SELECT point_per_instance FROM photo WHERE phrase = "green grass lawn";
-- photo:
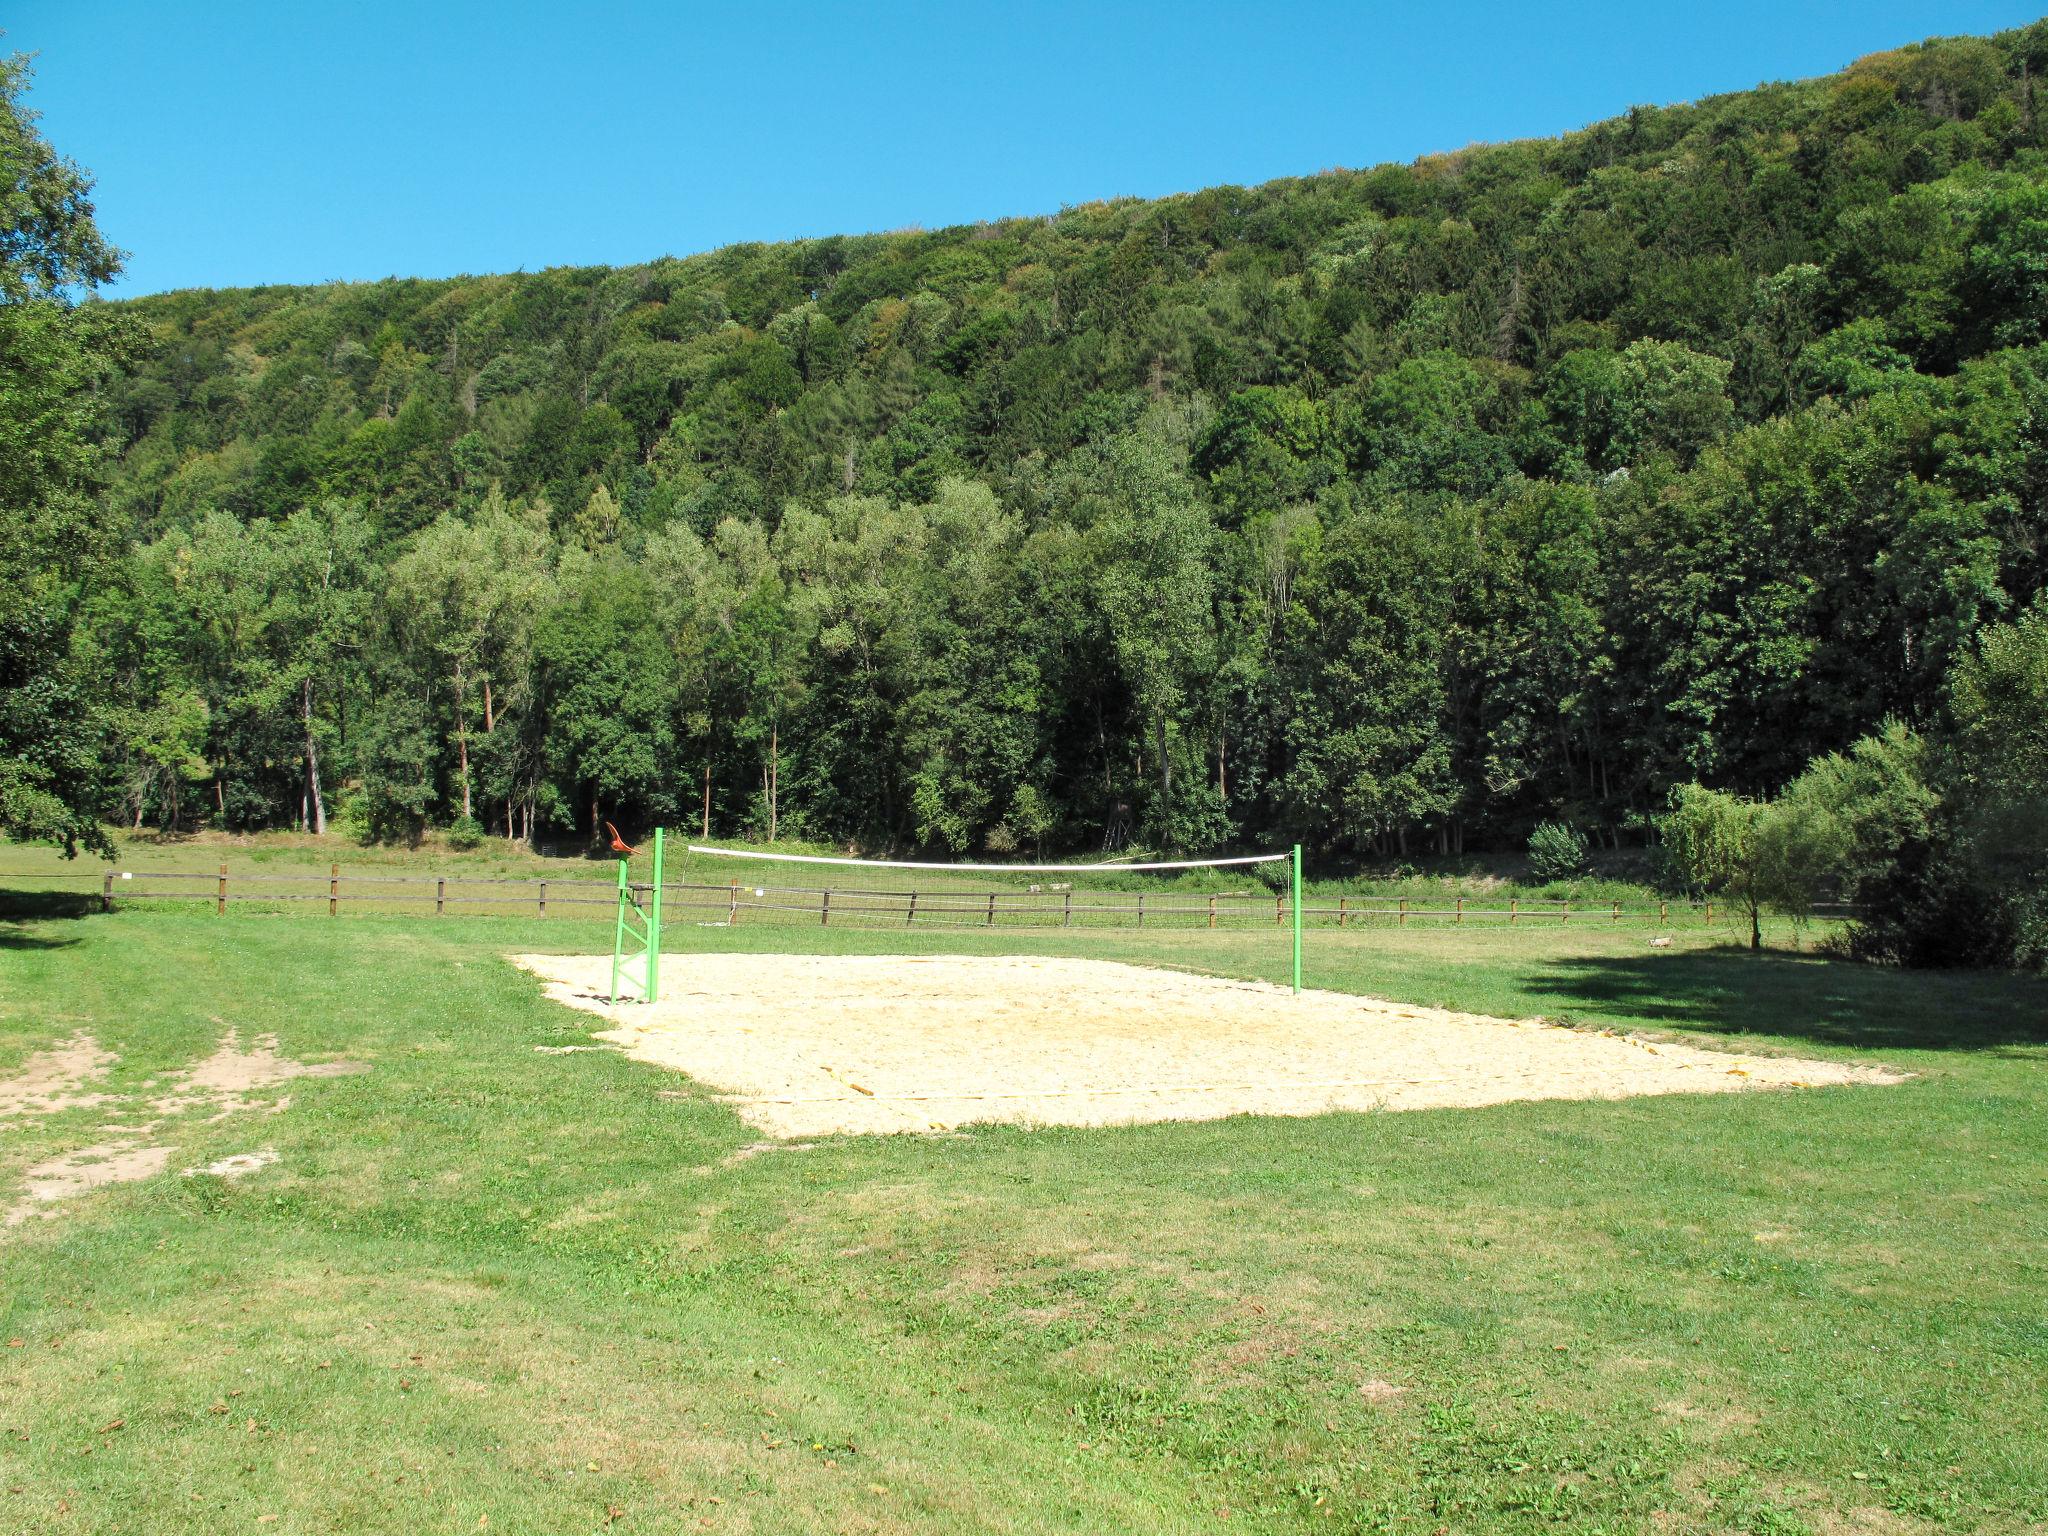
(491, 1288)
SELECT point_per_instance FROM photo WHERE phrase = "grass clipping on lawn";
(810, 1045)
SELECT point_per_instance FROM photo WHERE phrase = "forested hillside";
(1394, 510)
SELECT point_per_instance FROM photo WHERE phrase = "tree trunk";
(312, 761)
(462, 739)
(707, 799)
(1165, 767)
(490, 718)
(774, 776)
(1756, 930)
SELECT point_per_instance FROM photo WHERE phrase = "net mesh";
(736, 887)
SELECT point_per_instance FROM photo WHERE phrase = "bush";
(465, 833)
(349, 814)
(1557, 851)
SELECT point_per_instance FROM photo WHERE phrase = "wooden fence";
(735, 902)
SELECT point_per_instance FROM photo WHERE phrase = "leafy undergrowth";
(486, 1287)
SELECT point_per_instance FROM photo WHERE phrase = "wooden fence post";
(1402, 921)
(824, 909)
(1663, 913)
(107, 893)
(1343, 906)
(1710, 914)
(333, 889)
(1514, 909)
(910, 913)
(543, 898)
(991, 909)
(1567, 913)
(1212, 911)
(1279, 909)
(1617, 911)
(440, 894)
(220, 901)
(1141, 909)
(1067, 909)
(1461, 909)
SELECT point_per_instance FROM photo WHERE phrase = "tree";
(1266, 449)
(466, 592)
(1364, 645)
(1154, 592)
(320, 583)
(1763, 855)
(55, 539)
(1998, 759)
(168, 740)
(603, 678)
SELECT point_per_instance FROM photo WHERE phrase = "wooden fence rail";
(960, 906)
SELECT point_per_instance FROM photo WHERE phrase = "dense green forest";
(1396, 510)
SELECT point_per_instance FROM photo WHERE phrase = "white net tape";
(995, 869)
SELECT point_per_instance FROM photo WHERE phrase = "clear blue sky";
(245, 141)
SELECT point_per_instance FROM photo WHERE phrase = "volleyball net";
(737, 887)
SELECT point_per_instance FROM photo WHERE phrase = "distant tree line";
(1397, 511)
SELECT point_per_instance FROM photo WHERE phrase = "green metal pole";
(619, 929)
(1297, 919)
(654, 924)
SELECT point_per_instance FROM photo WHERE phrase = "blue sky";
(265, 142)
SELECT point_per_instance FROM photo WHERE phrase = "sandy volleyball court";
(808, 1045)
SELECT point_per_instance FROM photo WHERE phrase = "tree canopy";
(1394, 509)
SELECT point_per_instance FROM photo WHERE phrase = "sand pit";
(810, 1045)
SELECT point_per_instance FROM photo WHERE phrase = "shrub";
(465, 833)
(1557, 851)
(349, 814)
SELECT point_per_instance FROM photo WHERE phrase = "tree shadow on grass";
(19, 909)
(1732, 992)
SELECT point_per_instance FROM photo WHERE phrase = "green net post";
(643, 927)
(1297, 919)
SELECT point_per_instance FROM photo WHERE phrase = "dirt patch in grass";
(52, 1080)
(237, 1166)
(88, 1168)
(809, 1045)
(223, 1080)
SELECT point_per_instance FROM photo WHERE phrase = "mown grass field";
(487, 1287)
